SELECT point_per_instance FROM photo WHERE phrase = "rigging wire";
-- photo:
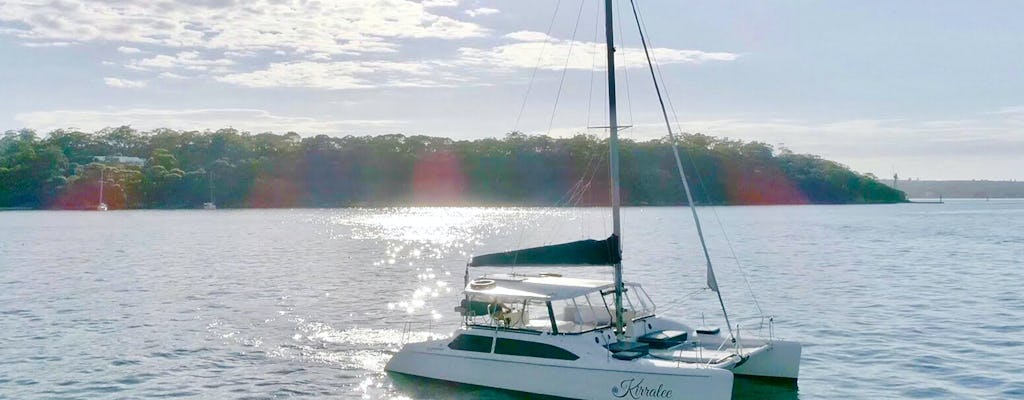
(573, 196)
(711, 281)
(625, 63)
(565, 68)
(593, 66)
(529, 89)
(561, 82)
(540, 57)
(700, 180)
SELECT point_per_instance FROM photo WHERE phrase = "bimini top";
(539, 287)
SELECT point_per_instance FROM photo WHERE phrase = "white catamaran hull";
(780, 359)
(604, 379)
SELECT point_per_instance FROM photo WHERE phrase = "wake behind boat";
(592, 339)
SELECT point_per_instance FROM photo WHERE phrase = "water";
(890, 301)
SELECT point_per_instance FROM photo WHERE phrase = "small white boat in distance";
(555, 336)
(210, 205)
(102, 206)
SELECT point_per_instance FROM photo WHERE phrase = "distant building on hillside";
(133, 161)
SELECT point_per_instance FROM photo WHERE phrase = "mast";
(613, 149)
(211, 186)
(101, 185)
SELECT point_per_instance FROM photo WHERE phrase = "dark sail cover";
(583, 252)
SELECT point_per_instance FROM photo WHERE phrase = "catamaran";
(585, 338)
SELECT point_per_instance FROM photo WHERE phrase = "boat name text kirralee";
(633, 389)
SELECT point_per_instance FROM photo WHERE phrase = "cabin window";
(476, 343)
(525, 348)
(489, 312)
(639, 301)
(511, 347)
(585, 315)
(539, 318)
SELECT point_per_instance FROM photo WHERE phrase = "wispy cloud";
(440, 3)
(469, 66)
(47, 44)
(476, 12)
(171, 75)
(528, 36)
(353, 44)
(529, 49)
(348, 27)
(864, 137)
(188, 60)
(345, 75)
(253, 120)
(124, 83)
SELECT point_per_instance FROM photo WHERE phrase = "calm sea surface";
(890, 301)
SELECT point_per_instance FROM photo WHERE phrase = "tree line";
(59, 170)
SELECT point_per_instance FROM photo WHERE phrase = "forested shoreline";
(59, 171)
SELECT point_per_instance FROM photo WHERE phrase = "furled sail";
(712, 282)
(582, 252)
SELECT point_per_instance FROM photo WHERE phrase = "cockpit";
(550, 304)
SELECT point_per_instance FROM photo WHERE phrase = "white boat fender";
(482, 284)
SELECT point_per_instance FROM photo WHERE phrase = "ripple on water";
(1014, 390)
(244, 310)
(929, 364)
(930, 392)
(976, 381)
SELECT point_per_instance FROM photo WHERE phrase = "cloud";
(1012, 111)
(253, 120)
(469, 66)
(440, 3)
(171, 75)
(47, 44)
(346, 75)
(124, 83)
(240, 54)
(536, 49)
(528, 36)
(328, 45)
(481, 11)
(876, 137)
(334, 27)
(188, 60)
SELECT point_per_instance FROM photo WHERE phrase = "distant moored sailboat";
(210, 205)
(102, 206)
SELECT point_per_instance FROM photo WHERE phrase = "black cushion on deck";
(628, 355)
(708, 331)
(663, 339)
(628, 346)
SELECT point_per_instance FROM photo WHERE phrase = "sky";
(925, 89)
